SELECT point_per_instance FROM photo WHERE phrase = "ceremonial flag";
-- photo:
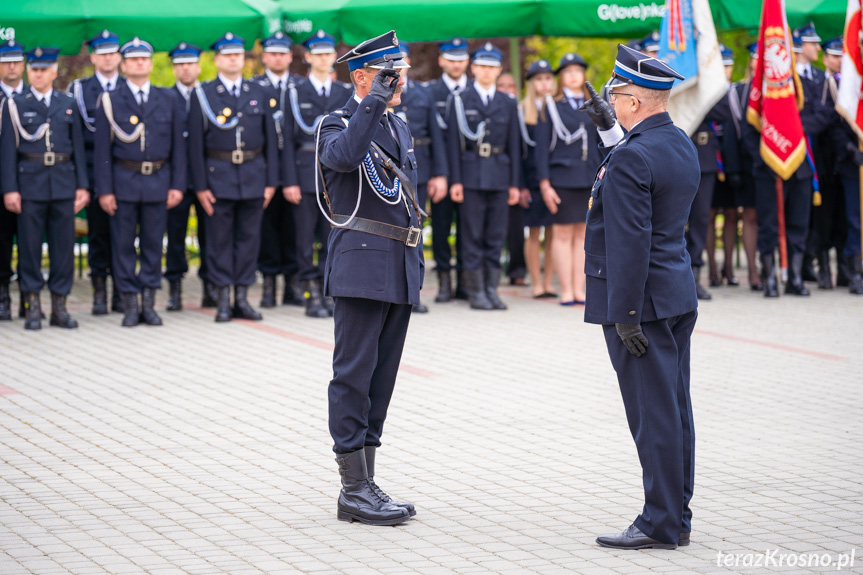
(848, 102)
(776, 95)
(688, 44)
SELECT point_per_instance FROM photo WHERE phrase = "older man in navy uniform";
(311, 100)
(640, 286)
(105, 57)
(43, 178)
(374, 270)
(140, 168)
(418, 111)
(234, 156)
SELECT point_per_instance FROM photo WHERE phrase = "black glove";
(632, 337)
(854, 154)
(599, 110)
(385, 83)
(734, 180)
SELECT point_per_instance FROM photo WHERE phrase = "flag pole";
(780, 218)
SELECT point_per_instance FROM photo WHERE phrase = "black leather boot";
(461, 289)
(844, 271)
(22, 313)
(444, 292)
(700, 292)
(242, 308)
(370, 469)
(825, 277)
(175, 295)
(293, 294)
(807, 267)
(268, 295)
(358, 501)
(223, 304)
(314, 301)
(116, 300)
(795, 277)
(475, 287)
(148, 300)
(771, 285)
(100, 296)
(855, 283)
(209, 294)
(131, 313)
(491, 278)
(59, 315)
(5, 303)
(32, 311)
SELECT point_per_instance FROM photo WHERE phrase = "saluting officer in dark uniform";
(140, 168)
(453, 59)
(278, 235)
(311, 100)
(641, 290)
(234, 157)
(11, 82)
(483, 151)
(374, 270)
(187, 67)
(43, 177)
(105, 57)
(418, 111)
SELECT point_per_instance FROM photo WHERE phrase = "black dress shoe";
(684, 540)
(419, 308)
(632, 538)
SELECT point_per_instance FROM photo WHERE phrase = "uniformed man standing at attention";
(310, 101)
(374, 271)
(234, 155)
(278, 237)
(43, 178)
(640, 286)
(187, 67)
(483, 151)
(105, 57)
(139, 162)
(11, 82)
(418, 111)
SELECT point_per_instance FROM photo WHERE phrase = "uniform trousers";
(55, 220)
(176, 264)
(699, 216)
(369, 339)
(98, 240)
(145, 221)
(278, 238)
(798, 199)
(233, 241)
(310, 224)
(442, 214)
(517, 267)
(829, 222)
(655, 390)
(483, 224)
(852, 215)
(8, 226)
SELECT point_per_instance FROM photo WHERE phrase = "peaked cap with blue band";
(228, 44)
(753, 50)
(488, 55)
(320, 43)
(455, 49)
(571, 59)
(650, 43)
(277, 43)
(634, 67)
(805, 33)
(833, 46)
(42, 57)
(136, 48)
(538, 67)
(11, 51)
(105, 42)
(185, 53)
(727, 55)
(375, 53)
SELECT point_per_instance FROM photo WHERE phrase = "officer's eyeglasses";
(613, 96)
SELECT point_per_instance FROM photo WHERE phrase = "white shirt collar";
(9, 90)
(275, 79)
(570, 94)
(184, 90)
(487, 95)
(104, 80)
(46, 96)
(317, 84)
(231, 85)
(451, 84)
(803, 68)
(135, 88)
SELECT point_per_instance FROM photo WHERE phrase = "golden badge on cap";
(133, 120)
(220, 119)
(272, 102)
(226, 112)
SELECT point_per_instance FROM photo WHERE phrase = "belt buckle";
(237, 157)
(485, 150)
(146, 168)
(49, 159)
(414, 235)
(701, 138)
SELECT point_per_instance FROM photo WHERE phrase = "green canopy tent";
(66, 23)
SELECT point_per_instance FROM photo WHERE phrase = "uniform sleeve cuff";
(611, 137)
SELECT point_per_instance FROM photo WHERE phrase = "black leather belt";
(46, 159)
(487, 150)
(235, 156)
(408, 236)
(145, 168)
(417, 142)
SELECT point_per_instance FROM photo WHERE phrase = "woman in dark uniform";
(567, 157)
(540, 83)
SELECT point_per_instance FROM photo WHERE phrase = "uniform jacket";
(34, 180)
(567, 166)
(529, 177)
(256, 130)
(498, 171)
(359, 264)
(184, 106)
(705, 140)
(91, 91)
(285, 137)
(163, 118)
(636, 261)
(735, 155)
(311, 105)
(417, 109)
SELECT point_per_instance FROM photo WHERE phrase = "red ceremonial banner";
(776, 96)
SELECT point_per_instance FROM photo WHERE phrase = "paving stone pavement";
(197, 448)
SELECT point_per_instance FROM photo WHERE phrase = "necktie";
(45, 101)
(323, 93)
(575, 103)
(142, 98)
(279, 85)
(108, 87)
(386, 122)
